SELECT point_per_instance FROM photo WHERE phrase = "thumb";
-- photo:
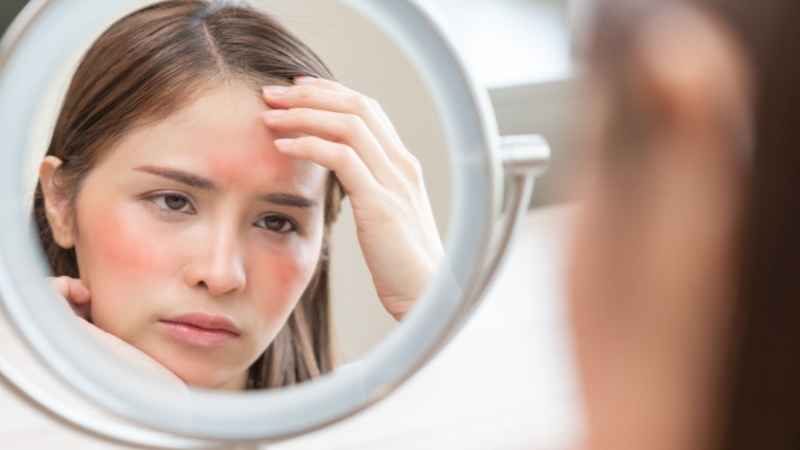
(78, 292)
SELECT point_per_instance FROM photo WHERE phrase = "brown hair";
(761, 382)
(147, 66)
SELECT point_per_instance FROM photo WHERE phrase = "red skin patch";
(123, 239)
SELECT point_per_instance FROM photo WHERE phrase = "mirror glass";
(182, 237)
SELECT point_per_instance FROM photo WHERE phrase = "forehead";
(220, 135)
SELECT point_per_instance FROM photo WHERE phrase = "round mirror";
(192, 259)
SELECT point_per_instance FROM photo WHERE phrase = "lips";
(206, 322)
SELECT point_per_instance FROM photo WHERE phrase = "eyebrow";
(196, 181)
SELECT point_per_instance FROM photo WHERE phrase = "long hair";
(147, 66)
(761, 378)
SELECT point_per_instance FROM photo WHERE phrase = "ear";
(56, 203)
(698, 91)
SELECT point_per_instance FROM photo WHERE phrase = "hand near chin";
(76, 293)
(79, 298)
(350, 134)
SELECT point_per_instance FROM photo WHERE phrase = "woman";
(683, 289)
(185, 202)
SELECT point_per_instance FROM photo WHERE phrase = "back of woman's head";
(759, 380)
(764, 368)
(147, 66)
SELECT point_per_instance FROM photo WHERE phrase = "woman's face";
(200, 214)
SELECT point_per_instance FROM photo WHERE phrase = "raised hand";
(351, 135)
(75, 292)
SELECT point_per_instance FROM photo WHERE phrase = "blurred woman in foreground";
(683, 293)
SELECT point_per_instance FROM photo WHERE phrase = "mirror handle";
(524, 157)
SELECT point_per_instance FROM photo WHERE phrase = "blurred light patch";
(509, 42)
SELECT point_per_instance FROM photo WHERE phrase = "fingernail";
(275, 91)
(304, 80)
(284, 145)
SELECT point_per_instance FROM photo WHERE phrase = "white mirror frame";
(44, 36)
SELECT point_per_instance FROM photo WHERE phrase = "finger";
(330, 95)
(71, 289)
(342, 100)
(78, 292)
(337, 127)
(75, 293)
(356, 178)
(385, 124)
(60, 285)
(82, 310)
(321, 82)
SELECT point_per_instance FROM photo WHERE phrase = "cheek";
(121, 258)
(289, 271)
(282, 276)
(121, 242)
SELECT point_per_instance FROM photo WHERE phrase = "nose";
(219, 265)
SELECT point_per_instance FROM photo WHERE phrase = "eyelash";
(284, 220)
(166, 209)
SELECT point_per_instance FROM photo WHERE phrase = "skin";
(651, 263)
(215, 251)
(226, 251)
(350, 134)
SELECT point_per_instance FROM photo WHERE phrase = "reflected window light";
(510, 42)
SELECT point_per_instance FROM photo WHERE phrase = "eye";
(278, 224)
(173, 202)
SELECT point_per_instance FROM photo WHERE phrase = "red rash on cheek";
(288, 277)
(124, 242)
(287, 274)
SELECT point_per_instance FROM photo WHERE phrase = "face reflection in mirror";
(187, 212)
(198, 215)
